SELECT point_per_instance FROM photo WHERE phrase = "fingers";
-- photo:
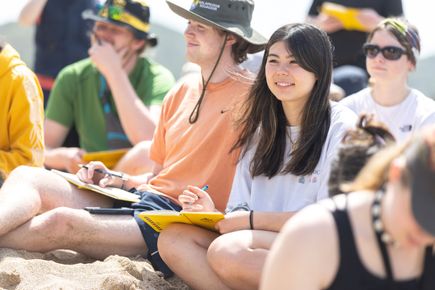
(94, 166)
(92, 172)
(107, 180)
(188, 196)
(187, 199)
(197, 191)
(82, 174)
(105, 58)
(75, 158)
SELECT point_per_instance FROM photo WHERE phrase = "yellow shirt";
(21, 114)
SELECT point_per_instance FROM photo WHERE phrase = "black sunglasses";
(388, 52)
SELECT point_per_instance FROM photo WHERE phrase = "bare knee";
(170, 240)
(26, 174)
(179, 241)
(59, 225)
(226, 257)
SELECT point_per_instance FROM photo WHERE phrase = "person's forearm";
(55, 158)
(31, 11)
(137, 180)
(270, 221)
(135, 117)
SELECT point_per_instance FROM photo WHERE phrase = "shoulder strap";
(427, 281)
(383, 248)
(349, 258)
(385, 259)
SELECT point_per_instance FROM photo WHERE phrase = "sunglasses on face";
(388, 52)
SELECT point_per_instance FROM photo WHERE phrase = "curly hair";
(357, 147)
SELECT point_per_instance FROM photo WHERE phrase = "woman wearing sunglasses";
(391, 51)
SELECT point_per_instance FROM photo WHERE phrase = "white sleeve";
(336, 133)
(240, 196)
(350, 102)
(429, 120)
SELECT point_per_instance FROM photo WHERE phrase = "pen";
(205, 187)
(102, 171)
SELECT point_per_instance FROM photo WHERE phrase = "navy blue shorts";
(151, 201)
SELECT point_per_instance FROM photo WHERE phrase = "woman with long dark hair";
(290, 132)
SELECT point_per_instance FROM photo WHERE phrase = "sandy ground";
(64, 269)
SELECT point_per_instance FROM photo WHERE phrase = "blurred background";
(268, 15)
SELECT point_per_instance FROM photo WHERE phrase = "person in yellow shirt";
(21, 114)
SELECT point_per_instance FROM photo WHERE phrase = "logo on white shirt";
(312, 178)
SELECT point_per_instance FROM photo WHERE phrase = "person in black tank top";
(380, 236)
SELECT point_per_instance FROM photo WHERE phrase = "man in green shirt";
(113, 98)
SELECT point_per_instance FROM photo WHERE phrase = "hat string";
(195, 112)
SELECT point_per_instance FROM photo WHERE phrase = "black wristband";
(124, 179)
(251, 219)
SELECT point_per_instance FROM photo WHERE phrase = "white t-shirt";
(287, 192)
(414, 112)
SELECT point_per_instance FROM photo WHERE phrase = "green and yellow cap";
(133, 14)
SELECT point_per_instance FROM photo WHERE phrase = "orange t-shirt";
(198, 154)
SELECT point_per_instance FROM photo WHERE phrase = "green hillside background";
(171, 53)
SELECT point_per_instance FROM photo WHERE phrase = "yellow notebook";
(109, 157)
(112, 192)
(347, 16)
(160, 219)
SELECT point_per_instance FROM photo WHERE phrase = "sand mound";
(63, 269)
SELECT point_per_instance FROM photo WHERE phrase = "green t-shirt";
(75, 98)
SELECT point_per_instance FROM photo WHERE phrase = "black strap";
(427, 281)
(385, 259)
(382, 247)
(195, 112)
(348, 252)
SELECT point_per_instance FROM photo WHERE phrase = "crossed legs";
(96, 236)
(41, 211)
(238, 257)
(205, 260)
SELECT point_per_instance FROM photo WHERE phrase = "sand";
(63, 269)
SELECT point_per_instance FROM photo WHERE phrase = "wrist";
(124, 181)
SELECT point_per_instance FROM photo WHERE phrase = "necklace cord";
(195, 112)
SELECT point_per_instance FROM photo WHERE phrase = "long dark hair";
(263, 113)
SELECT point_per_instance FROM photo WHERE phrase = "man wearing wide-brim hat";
(191, 148)
(218, 36)
(114, 97)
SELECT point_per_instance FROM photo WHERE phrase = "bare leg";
(136, 161)
(238, 257)
(29, 191)
(184, 250)
(97, 236)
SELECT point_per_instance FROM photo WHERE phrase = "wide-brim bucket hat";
(228, 15)
(134, 15)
